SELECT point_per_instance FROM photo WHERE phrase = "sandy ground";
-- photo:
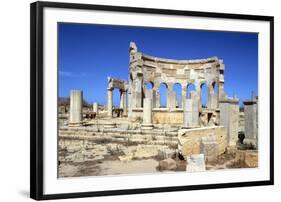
(98, 168)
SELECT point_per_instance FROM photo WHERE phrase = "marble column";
(191, 113)
(123, 102)
(147, 114)
(229, 118)
(187, 114)
(157, 101)
(171, 100)
(251, 122)
(183, 95)
(170, 97)
(76, 105)
(198, 92)
(109, 102)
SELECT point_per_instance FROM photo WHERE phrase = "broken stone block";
(195, 163)
(247, 158)
(165, 153)
(167, 164)
(209, 147)
(126, 158)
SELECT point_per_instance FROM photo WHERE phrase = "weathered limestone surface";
(191, 113)
(189, 140)
(247, 158)
(251, 122)
(163, 116)
(229, 117)
(195, 163)
(171, 102)
(188, 109)
(109, 102)
(147, 114)
(76, 103)
(209, 147)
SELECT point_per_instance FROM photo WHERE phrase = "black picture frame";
(36, 98)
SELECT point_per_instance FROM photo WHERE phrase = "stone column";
(221, 90)
(187, 114)
(251, 122)
(121, 99)
(191, 113)
(171, 100)
(148, 93)
(198, 92)
(76, 105)
(123, 102)
(147, 114)
(210, 91)
(195, 112)
(229, 118)
(153, 98)
(183, 95)
(95, 107)
(109, 102)
(170, 97)
(157, 101)
(138, 93)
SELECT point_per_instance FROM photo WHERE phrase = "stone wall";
(167, 117)
(161, 115)
(190, 139)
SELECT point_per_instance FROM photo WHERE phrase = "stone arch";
(177, 89)
(149, 85)
(204, 94)
(116, 97)
(118, 87)
(163, 90)
(190, 88)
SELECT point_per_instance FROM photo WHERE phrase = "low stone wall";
(162, 115)
(122, 136)
(190, 139)
(173, 116)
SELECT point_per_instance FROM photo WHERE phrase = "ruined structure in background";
(122, 86)
(220, 110)
(203, 136)
(144, 69)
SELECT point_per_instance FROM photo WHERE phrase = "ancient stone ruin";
(160, 137)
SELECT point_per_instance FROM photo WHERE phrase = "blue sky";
(89, 53)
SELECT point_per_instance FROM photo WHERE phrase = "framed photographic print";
(136, 100)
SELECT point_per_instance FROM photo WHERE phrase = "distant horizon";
(89, 53)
